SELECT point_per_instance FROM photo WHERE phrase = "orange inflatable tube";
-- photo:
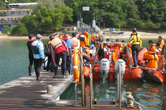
(76, 67)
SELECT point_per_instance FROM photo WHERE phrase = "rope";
(148, 107)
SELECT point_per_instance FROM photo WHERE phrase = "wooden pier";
(26, 93)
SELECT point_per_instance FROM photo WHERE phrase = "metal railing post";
(119, 86)
(82, 81)
(75, 92)
(91, 87)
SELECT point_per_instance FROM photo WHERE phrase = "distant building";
(19, 5)
(15, 14)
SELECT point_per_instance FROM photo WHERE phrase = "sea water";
(14, 64)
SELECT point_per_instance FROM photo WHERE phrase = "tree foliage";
(144, 14)
(6, 29)
(20, 29)
(45, 20)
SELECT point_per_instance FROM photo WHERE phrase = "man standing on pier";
(38, 54)
(136, 42)
(29, 45)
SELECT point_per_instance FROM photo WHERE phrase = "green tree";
(6, 29)
(20, 29)
(30, 23)
(3, 5)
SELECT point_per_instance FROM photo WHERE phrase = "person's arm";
(140, 42)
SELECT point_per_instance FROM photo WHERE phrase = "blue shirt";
(69, 43)
(38, 52)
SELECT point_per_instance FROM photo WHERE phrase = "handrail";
(119, 86)
(91, 87)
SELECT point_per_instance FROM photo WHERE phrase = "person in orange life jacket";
(163, 52)
(84, 39)
(61, 35)
(69, 57)
(61, 51)
(151, 57)
(93, 39)
(50, 65)
(86, 53)
(152, 46)
(136, 42)
(161, 41)
(117, 46)
(101, 50)
(38, 54)
(29, 45)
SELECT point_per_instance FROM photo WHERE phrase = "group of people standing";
(62, 45)
(61, 48)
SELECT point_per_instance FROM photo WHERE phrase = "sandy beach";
(144, 35)
(125, 35)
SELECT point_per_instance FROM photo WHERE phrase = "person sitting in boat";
(151, 57)
(101, 50)
(109, 45)
(86, 53)
(159, 49)
(127, 58)
(117, 46)
(152, 46)
(124, 50)
(93, 39)
(136, 42)
(161, 41)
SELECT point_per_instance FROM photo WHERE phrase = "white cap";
(39, 36)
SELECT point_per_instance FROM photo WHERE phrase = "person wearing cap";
(136, 42)
(29, 45)
(38, 54)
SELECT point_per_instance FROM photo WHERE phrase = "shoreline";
(126, 35)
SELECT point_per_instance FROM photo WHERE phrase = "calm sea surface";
(14, 64)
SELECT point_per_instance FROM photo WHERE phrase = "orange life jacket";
(152, 48)
(152, 60)
(161, 43)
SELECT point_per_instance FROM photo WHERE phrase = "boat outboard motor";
(120, 70)
(120, 63)
(104, 68)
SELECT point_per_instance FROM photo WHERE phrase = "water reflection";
(148, 94)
